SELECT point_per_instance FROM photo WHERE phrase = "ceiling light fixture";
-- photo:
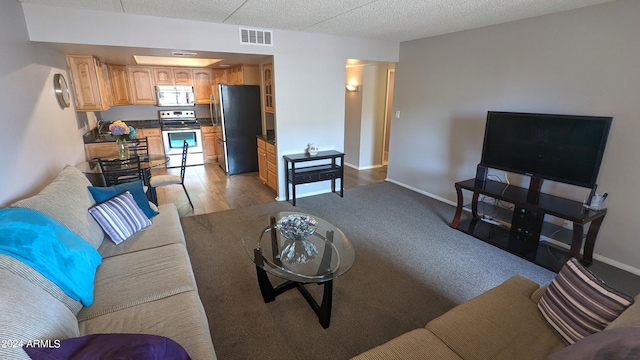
(174, 61)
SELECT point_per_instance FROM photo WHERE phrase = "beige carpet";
(410, 268)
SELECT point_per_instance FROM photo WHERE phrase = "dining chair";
(118, 171)
(138, 146)
(169, 179)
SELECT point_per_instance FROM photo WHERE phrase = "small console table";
(530, 206)
(295, 175)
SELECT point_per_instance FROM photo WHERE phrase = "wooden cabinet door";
(249, 75)
(141, 81)
(209, 147)
(183, 76)
(262, 161)
(88, 92)
(267, 87)
(101, 150)
(272, 177)
(219, 77)
(154, 139)
(162, 76)
(119, 83)
(202, 80)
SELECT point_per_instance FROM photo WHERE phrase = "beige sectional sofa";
(144, 285)
(502, 323)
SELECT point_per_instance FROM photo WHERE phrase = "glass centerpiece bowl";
(296, 228)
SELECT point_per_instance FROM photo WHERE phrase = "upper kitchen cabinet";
(172, 76)
(88, 83)
(119, 85)
(243, 75)
(183, 76)
(142, 85)
(202, 80)
(267, 84)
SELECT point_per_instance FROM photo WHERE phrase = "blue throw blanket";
(50, 248)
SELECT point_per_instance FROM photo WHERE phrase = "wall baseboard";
(598, 257)
(363, 167)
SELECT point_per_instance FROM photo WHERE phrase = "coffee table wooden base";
(269, 292)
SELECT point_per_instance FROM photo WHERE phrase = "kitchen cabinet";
(202, 80)
(101, 150)
(88, 83)
(142, 85)
(267, 87)
(172, 76)
(262, 160)
(272, 172)
(209, 148)
(219, 77)
(184, 76)
(267, 168)
(243, 75)
(154, 139)
(119, 85)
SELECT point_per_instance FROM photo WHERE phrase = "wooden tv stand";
(530, 206)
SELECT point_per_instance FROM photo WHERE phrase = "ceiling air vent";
(256, 37)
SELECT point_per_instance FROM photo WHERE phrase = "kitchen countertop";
(270, 138)
(205, 121)
(94, 135)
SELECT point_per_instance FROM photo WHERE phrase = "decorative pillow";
(102, 194)
(578, 304)
(621, 343)
(109, 346)
(120, 217)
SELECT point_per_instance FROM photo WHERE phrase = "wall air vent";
(256, 37)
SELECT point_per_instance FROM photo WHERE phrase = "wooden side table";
(295, 175)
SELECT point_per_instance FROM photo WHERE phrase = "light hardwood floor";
(212, 190)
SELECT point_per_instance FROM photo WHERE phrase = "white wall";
(583, 61)
(37, 137)
(309, 68)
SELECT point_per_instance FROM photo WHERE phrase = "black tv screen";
(563, 148)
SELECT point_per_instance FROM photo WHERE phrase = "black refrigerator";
(240, 120)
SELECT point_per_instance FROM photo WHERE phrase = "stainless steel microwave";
(168, 95)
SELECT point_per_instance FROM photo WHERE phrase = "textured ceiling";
(395, 20)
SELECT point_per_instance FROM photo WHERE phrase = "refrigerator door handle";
(211, 98)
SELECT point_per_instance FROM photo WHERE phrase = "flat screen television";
(563, 148)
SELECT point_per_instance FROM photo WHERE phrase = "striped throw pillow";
(120, 217)
(578, 304)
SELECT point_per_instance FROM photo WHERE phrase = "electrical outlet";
(568, 225)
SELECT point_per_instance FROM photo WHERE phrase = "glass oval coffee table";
(318, 258)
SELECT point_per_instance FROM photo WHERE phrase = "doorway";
(368, 110)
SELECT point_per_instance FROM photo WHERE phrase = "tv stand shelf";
(530, 206)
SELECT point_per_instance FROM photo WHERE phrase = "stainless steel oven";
(179, 126)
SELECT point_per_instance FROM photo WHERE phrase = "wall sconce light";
(353, 88)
